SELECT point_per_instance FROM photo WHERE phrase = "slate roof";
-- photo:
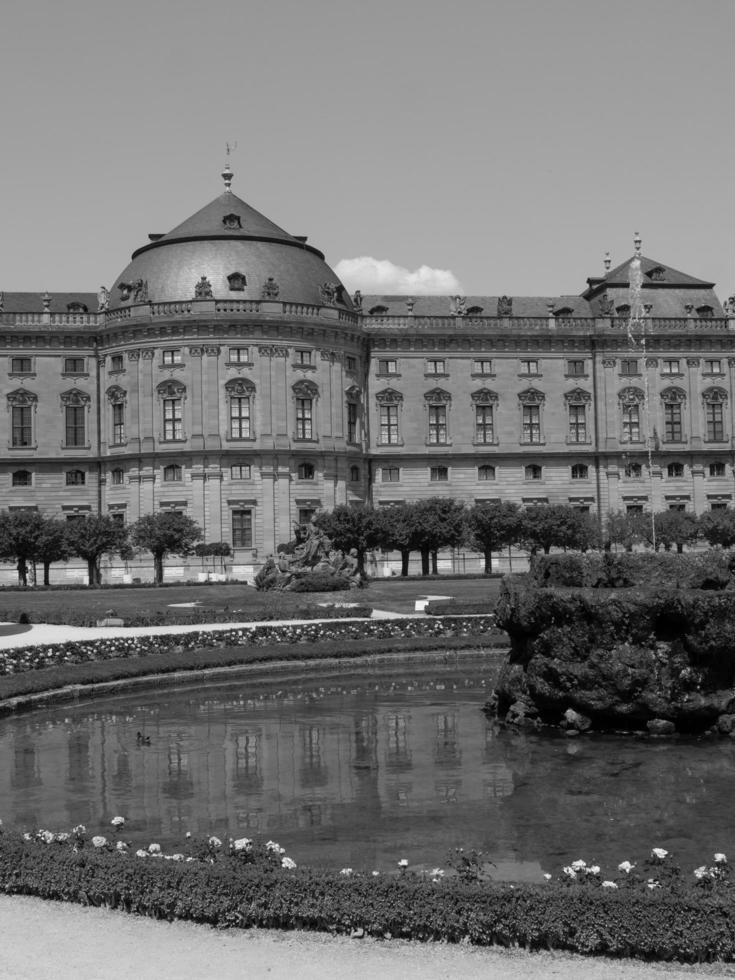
(32, 302)
(528, 306)
(670, 277)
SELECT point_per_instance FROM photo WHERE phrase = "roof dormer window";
(232, 221)
(237, 282)
(378, 310)
(565, 311)
(657, 273)
(704, 312)
(474, 310)
(76, 308)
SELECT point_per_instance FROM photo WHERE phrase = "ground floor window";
(242, 528)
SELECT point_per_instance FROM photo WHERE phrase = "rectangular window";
(172, 356)
(22, 425)
(532, 423)
(303, 357)
(239, 355)
(117, 363)
(242, 529)
(631, 423)
(634, 508)
(21, 365)
(118, 516)
(389, 425)
(482, 367)
(438, 474)
(434, 366)
(75, 478)
(437, 425)
(351, 363)
(713, 366)
(672, 422)
(239, 418)
(715, 422)
(173, 427)
(390, 474)
(484, 428)
(306, 514)
(670, 366)
(575, 369)
(75, 425)
(118, 424)
(117, 478)
(303, 418)
(529, 367)
(388, 366)
(629, 366)
(74, 365)
(240, 471)
(577, 423)
(351, 421)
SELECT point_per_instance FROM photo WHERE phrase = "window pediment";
(171, 389)
(484, 396)
(388, 396)
(240, 388)
(353, 393)
(531, 396)
(673, 395)
(116, 395)
(437, 396)
(20, 398)
(75, 397)
(714, 395)
(631, 396)
(237, 281)
(577, 396)
(305, 389)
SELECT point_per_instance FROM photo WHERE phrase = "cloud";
(385, 277)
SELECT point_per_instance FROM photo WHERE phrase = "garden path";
(67, 942)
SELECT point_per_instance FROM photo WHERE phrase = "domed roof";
(235, 251)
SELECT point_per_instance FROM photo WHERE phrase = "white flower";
(659, 852)
(403, 863)
(140, 853)
(719, 858)
(275, 848)
(701, 872)
(99, 841)
(346, 871)
(47, 836)
(579, 865)
(375, 874)
(27, 836)
(609, 884)
(547, 877)
(118, 821)
(188, 834)
(594, 869)
(215, 842)
(569, 871)
(79, 829)
(121, 845)
(154, 848)
(242, 844)
(626, 866)
(1, 823)
(177, 857)
(62, 838)
(288, 863)
(190, 859)
(652, 883)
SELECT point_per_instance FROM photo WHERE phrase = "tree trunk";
(22, 572)
(424, 561)
(405, 558)
(488, 560)
(93, 572)
(157, 569)
(47, 573)
(434, 569)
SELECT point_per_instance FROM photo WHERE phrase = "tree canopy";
(165, 533)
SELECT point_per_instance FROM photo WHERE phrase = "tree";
(492, 526)
(718, 527)
(397, 530)
(627, 529)
(92, 537)
(547, 526)
(165, 534)
(351, 527)
(20, 532)
(675, 527)
(439, 522)
(52, 545)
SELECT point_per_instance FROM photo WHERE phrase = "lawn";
(235, 602)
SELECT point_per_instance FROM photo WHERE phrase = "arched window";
(306, 471)
(533, 472)
(675, 470)
(631, 400)
(673, 400)
(474, 310)
(564, 312)
(354, 474)
(22, 478)
(76, 308)
(580, 471)
(378, 310)
(705, 312)
(240, 396)
(623, 311)
(486, 472)
(117, 477)
(75, 478)
(172, 473)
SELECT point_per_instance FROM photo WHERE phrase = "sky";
(474, 147)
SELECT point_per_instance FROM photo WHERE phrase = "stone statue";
(103, 299)
(203, 289)
(271, 289)
(140, 291)
(459, 306)
(313, 554)
(505, 306)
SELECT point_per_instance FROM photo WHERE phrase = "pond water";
(361, 769)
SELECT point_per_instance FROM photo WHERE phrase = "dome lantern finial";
(227, 174)
(637, 242)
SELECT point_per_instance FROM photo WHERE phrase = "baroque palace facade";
(229, 375)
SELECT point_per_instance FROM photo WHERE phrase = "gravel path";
(54, 941)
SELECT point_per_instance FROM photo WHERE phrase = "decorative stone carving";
(729, 306)
(2, 301)
(410, 303)
(133, 355)
(46, 300)
(609, 362)
(328, 293)
(305, 389)
(196, 351)
(531, 396)
(116, 395)
(271, 350)
(657, 274)
(689, 308)
(270, 289)
(631, 396)
(148, 353)
(212, 350)
(505, 306)
(651, 362)
(203, 289)
(693, 362)
(138, 289)
(673, 396)
(437, 396)
(171, 389)
(353, 393)
(484, 396)
(388, 396)
(714, 395)
(75, 398)
(232, 221)
(240, 388)
(103, 299)
(459, 306)
(607, 306)
(237, 281)
(577, 396)
(357, 300)
(314, 552)
(21, 398)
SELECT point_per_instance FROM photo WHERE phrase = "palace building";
(228, 374)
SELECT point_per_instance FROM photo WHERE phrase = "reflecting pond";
(363, 768)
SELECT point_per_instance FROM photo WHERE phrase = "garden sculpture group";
(313, 555)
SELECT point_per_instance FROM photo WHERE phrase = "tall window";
(351, 421)
(437, 425)
(389, 425)
(242, 529)
(354, 474)
(117, 477)
(173, 425)
(577, 423)
(715, 400)
(672, 422)
(239, 418)
(304, 407)
(532, 423)
(22, 422)
(118, 424)
(74, 417)
(631, 423)
(116, 363)
(306, 471)
(484, 424)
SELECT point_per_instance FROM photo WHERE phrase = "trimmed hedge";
(608, 570)
(456, 607)
(227, 893)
